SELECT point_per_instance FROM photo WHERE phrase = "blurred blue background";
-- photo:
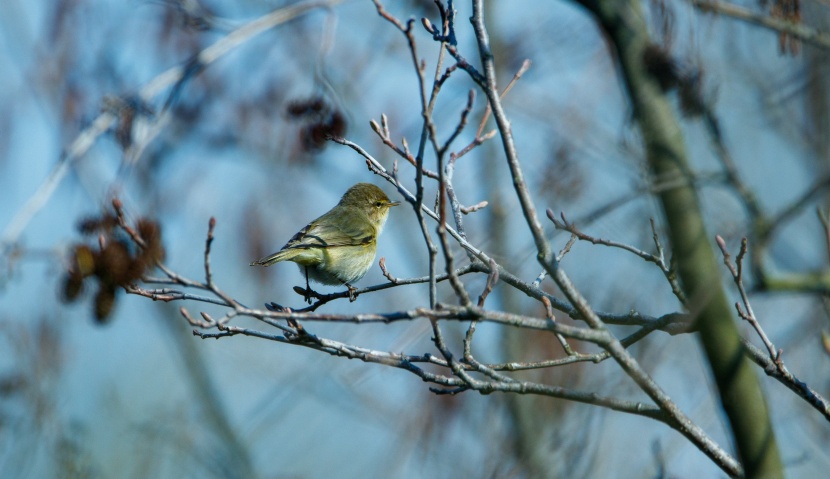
(141, 397)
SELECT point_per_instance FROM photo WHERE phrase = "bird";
(339, 246)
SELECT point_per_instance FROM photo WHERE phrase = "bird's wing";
(306, 247)
(336, 233)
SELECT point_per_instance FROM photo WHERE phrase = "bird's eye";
(378, 204)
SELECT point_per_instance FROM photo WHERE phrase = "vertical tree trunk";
(740, 391)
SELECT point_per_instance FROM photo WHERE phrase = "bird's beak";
(394, 203)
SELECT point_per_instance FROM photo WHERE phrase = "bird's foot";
(307, 293)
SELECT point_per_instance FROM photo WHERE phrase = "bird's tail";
(282, 255)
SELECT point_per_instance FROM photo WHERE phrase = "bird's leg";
(352, 295)
(307, 287)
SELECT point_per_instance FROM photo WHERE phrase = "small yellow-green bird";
(339, 247)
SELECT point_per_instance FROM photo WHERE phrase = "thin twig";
(626, 361)
(679, 323)
(426, 111)
(382, 131)
(492, 279)
(748, 315)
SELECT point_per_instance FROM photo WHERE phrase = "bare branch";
(492, 279)
(749, 315)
